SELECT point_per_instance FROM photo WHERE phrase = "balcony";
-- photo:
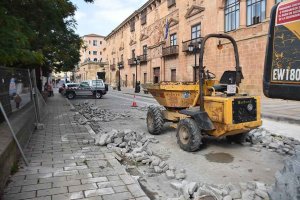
(121, 64)
(170, 51)
(143, 58)
(195, 42)
(171, 3)
(113, 67)
(131, 61)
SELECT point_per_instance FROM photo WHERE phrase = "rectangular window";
(122, 57)
(132, 25)
(94, 42)
(145, 50)
(171, 3)
(133, 53)
(100, 53)
(196, 31)
(173, 75)
(173, 39)
(89, 52)
(114, 60)
(256, 11)
(100, 42)
(144, 17)
(94, 52)
(232, 15)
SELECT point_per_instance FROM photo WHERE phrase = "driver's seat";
(228, 77)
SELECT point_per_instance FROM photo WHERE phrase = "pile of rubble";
(94, 114)
(134, 146)
(197, 191)
(261, 138)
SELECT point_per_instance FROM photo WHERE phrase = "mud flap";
(201, 118)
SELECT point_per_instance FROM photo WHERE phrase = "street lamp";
(137, 62)
(119, 84)
(194, 48)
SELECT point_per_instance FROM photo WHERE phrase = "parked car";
(69, 86)
(95, 88)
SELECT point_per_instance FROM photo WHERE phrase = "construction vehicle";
(210, 107)
(282, 62)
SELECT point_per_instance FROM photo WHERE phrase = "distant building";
(91, 63)
(160, 32)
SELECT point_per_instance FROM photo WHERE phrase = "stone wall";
(9, 153)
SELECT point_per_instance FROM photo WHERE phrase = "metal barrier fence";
(15, 90)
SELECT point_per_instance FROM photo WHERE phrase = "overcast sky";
(102, 16)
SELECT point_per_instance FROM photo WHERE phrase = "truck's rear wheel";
(155, 120)
(70, 95)
(188, 135)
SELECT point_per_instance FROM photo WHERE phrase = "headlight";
(249, 107)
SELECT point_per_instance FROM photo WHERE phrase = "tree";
(37, 33)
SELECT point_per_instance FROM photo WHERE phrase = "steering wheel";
(210, 75)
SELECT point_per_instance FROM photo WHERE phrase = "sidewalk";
(65, 164)
(276, 109)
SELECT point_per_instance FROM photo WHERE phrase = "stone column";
(243, 13)
(269, 5)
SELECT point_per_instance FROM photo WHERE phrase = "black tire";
(71, 95)
(188, 135)
(238, 138)
(98, 95)
(155, 120)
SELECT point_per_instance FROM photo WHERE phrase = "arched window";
(256, 11)
(95, 59)
(232, 15)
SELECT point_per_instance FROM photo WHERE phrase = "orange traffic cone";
(133, 103)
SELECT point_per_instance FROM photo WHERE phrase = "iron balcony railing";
(143, 58)
(121, 64)
(171, 50)
(194, 42)
(131, 61)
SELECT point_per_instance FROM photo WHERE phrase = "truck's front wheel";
(188, 135)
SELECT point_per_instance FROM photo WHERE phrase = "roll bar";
(238, 68)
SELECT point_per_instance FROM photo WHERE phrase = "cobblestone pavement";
(65, 164)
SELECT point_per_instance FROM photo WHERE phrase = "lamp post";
(194, 48)
(136, 61)
(119, 84)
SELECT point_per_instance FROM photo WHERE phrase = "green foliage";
(39, 34)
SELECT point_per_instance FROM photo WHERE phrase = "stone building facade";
(160, 32)
(91, 60)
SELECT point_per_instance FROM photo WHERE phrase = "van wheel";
(71, 95)
(188, 135)
(98, 95)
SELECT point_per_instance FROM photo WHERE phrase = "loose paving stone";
(52, 191)
(94, 180)
(74, 195)
(121, 188)
(66, 183)
(118, 196)
(77, 188)
(98, 192)
(36, 187)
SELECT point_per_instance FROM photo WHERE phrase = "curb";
(70, 104)
(281, 118)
